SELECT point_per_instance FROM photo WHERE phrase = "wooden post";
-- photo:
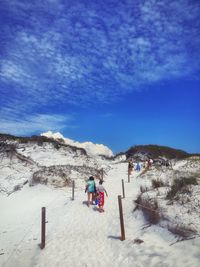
(123, 192)
(128, 176)
(73, 186)
(102, 174)
(121, 218)
(43, 228)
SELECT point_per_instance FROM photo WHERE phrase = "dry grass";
(150, 209)
(181, 231)
(143, 189)
(181, 185)
(156, 183)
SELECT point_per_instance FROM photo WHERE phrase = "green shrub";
(155, 151)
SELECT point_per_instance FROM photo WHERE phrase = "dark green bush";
(155, 151)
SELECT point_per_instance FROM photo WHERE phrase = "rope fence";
(43, 228)
(156, 213)
(121, 200)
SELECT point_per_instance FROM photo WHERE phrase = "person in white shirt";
(100, 195)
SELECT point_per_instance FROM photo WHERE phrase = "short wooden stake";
(123, 192)
(121, 218)
(102, 174)
(43, 228)
(73, 186)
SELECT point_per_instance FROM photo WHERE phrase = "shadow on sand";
(95, 208)
(114, 237)
(85, 202)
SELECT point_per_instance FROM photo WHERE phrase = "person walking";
(130, 167)
(138, 166)
(100, 195)
(90, 189)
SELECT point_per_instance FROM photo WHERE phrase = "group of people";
(137, 166)
(96, 194)
(131, 166)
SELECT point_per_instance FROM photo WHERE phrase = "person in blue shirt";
(138, 166)
(90, 189)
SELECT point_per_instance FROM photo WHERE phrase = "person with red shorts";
(100, 192)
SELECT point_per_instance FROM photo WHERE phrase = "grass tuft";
(150, 209)
(180, 186)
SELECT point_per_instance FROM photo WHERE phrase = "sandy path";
(89, 238)
(81, 236)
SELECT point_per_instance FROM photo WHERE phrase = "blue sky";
(119, 73)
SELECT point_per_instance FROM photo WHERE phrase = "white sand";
(81, 236)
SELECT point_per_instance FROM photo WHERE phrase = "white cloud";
(91, 148)
(34, 124)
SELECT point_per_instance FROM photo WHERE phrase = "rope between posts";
(152, 209)
(25, 235)
(15, 249)
(146, 207)
(139, 204)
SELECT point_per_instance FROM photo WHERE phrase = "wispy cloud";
(34, 124)
(83, 51)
